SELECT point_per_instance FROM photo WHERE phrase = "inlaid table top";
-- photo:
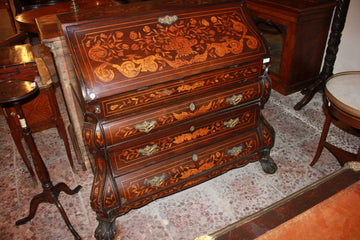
(16, 91)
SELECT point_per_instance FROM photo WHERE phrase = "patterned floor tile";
(202, 209)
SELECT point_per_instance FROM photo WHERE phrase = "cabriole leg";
(106, 230)
(267, 163)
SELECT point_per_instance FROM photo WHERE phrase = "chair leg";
(322, 139)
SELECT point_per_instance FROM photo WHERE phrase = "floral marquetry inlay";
(218, 158)
(121, 131)
(166, 105)
(117, 105)
(155, 47)
(136, 154)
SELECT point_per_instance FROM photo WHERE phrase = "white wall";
(348, 56)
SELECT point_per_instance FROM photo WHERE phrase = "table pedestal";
(50, 193)
(14, 93)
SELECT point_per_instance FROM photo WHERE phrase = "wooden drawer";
(136, 154)
(26, 71)
(184, 167)
(171, 91)
(193, 107)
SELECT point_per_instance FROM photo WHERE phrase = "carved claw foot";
(106, 230)
(268, 164)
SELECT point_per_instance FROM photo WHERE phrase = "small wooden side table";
(42, 112)
(14, 94)
(342, 104)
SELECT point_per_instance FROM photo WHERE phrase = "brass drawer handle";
(234, 99)
(231, 123)
(148, 150)
(168, 20)
(235, 151)
(146, 126)
(192, 106)
(156, 181)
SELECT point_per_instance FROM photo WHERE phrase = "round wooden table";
(26, 20)
(342, 104)
(14, 93)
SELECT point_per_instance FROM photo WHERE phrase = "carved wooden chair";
(342, 102)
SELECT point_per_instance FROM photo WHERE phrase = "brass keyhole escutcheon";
(195, 157)
(192, 107)
(97, 109)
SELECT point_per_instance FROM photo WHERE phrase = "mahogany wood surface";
(16, 55)
(5, 4)
(337, 26)
(26, 20)
(17, 91)
(16, 39)
(306, 26)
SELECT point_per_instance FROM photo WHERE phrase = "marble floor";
(199, 210)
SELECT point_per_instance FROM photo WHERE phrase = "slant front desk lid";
(129, 53)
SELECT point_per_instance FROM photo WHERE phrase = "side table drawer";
(26, 71)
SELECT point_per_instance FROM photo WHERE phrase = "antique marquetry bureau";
(171, 98)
